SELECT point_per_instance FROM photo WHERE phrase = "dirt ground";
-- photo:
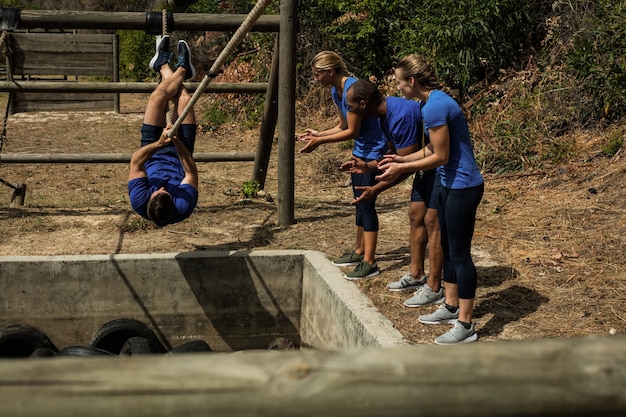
(549, 246)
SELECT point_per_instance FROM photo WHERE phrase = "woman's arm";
(439, 154)
(351, 131)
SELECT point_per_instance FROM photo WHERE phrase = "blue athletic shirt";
(164, 170)
(461, 170)
(403, 122)
(371, 142)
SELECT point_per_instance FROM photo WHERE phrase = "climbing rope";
(237, 38)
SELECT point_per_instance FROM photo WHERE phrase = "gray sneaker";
(347, 259)
(407, 283)
(362, 271)
(425, 296)
(441, 316)
(458, 334)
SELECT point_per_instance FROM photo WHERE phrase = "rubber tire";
(82, 351)
(43, 353)
(138, 346)
(192, 347)
(20, 341)
(113, 335)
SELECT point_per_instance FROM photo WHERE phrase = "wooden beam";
(55, 19)
(114, 158)
(548, 377)
(123, 87)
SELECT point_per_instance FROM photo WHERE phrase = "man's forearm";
(141, 155)
(189, 165)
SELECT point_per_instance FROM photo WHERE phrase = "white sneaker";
(457, 335)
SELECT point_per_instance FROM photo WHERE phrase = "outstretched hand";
(355, 165)
(390, 165)
(367, 194)
(312, 142)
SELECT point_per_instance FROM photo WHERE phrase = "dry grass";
(549, 245)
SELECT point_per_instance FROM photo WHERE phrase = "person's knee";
(158, 97)
(417, 214)
(431, 221)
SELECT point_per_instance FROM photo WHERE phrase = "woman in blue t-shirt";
(329, 70)
(450, 151)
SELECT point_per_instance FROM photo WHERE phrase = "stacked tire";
(119, 337)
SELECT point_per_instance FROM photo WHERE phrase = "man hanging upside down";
(163, 178)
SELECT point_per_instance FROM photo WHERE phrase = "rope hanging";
(237, 38)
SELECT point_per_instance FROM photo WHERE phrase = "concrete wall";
(233, 300)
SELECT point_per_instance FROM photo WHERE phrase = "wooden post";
(286, 111)
(268, 124)
(571, 377)
(19, 193)
(116, 70)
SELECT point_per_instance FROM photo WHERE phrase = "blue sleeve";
(139, 193)
(185, 201)
(436, 113)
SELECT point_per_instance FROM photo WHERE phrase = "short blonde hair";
(326, 60)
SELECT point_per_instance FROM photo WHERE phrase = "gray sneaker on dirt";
(407, 283)
(458, 334)
(162, 53)
(362, 271)
(347, 259)
(441, 316)
(425, 296)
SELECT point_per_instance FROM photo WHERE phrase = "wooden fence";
(277, 112)
(63, 57)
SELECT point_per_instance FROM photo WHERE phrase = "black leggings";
(457, 216)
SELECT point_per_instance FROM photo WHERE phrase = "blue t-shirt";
(461, 171)
(371, 142)
(403, 122)
(164, 170)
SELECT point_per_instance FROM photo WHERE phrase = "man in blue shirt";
(163, 178)
(401, 121)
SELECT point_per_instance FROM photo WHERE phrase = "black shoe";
(184, 59)
(162, 54)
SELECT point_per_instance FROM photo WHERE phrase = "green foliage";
(214, 116)
(136, 50)
(361, 31)
(250, 188)
(598, 57)
(469, 40)
(613, 143)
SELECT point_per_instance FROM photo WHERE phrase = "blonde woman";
(450, 152)
(329, 70)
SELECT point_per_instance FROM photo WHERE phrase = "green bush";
(598, 57)
(136, 50)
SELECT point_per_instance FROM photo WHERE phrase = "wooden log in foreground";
(550, 377)
(123, 87)
(67, 158)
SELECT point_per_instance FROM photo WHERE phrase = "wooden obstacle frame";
(279, 110)
(60, 56)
